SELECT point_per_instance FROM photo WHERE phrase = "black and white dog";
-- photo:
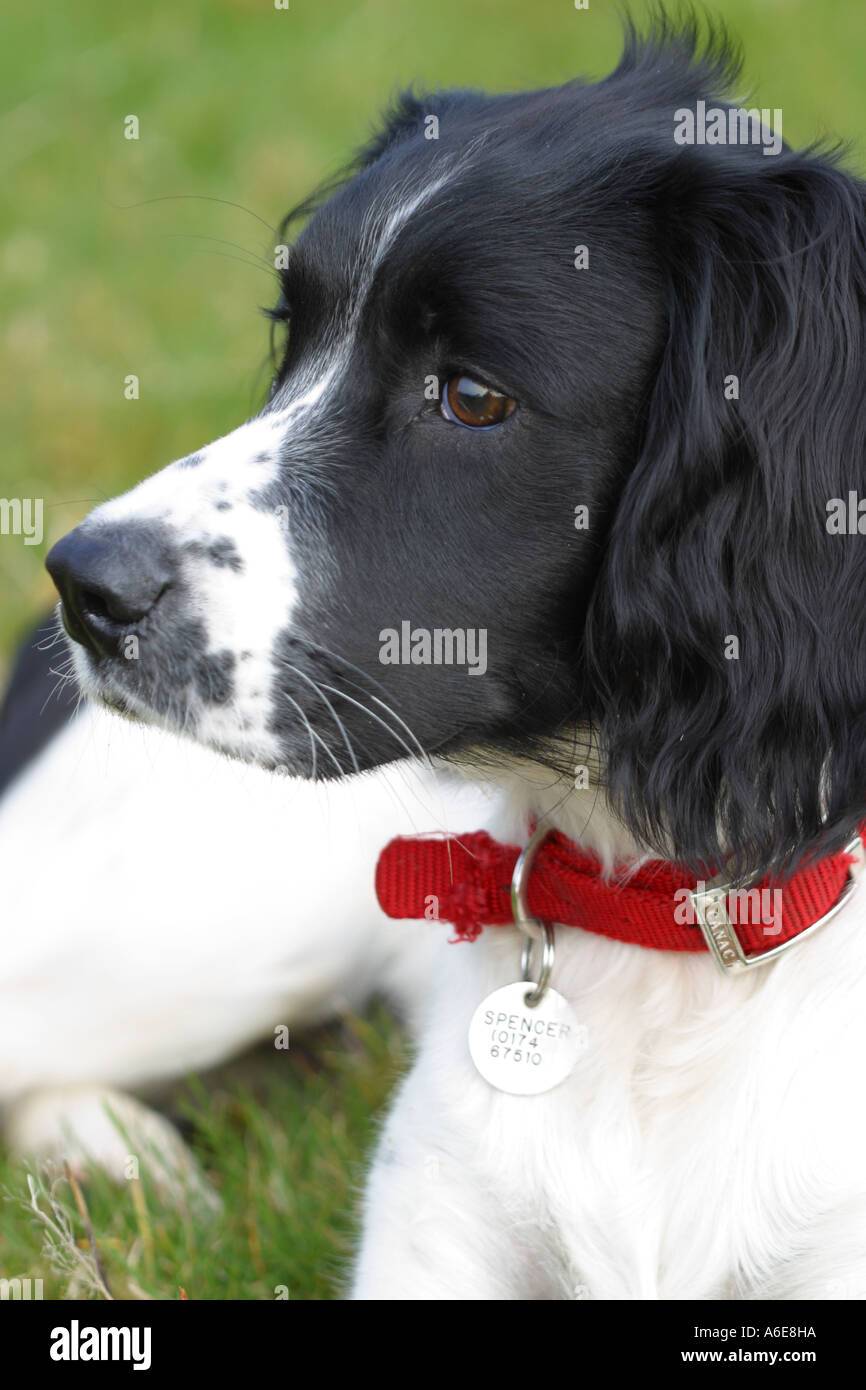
(550, 484)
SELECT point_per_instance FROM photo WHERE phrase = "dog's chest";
(694, 1140)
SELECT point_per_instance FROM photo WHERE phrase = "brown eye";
(468, 402)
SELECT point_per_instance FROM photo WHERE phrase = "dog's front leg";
(432, 1227)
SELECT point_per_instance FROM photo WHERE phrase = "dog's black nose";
(109, 578)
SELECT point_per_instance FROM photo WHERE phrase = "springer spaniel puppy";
(558, 482)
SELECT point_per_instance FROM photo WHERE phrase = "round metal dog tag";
(524, 1050)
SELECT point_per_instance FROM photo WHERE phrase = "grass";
(115, 259)
(281, 1138)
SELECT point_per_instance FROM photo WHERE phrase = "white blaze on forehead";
(380, 228)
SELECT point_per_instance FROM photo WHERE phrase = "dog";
(547, 488)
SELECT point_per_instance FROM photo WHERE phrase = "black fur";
(706, 262)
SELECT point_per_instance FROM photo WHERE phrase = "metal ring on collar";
(535, 996)
(523, 919)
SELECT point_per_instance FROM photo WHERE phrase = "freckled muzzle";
(162, 626)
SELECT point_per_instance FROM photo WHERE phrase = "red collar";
(467, 881)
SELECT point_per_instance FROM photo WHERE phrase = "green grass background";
(114, 261)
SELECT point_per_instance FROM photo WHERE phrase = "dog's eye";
(468, 402)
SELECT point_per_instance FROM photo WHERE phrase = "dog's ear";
(726, 638)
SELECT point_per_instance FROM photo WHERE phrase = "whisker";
(75, 502)
(309, 731)
(370, 713)
(425, 757)
(224, 255)
(313, 735)
(198, 197)
(326, 651)
(337, 720)
(54, 640)
(65, 678)
(219, 241)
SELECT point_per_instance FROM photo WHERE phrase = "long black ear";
(726, 642)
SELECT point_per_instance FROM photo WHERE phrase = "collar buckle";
(711, 911)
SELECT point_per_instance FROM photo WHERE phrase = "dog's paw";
(97, 1127)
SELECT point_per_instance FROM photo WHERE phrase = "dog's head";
(563, 404)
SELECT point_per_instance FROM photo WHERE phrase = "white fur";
(164, 907)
